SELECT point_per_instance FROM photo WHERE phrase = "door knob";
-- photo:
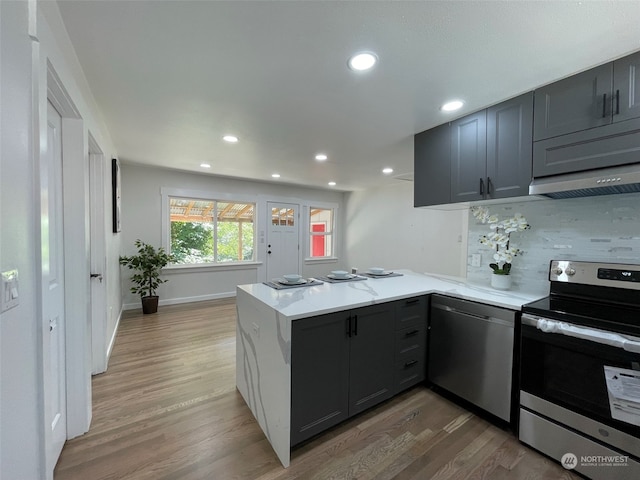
(97, 275)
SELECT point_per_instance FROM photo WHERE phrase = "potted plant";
(147, 264)
(499, 239)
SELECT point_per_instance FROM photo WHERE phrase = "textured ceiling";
(172, 77)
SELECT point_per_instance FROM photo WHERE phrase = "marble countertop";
(302, 302)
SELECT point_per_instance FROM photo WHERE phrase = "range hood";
(604, 181)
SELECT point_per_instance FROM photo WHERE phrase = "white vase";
(501, 282)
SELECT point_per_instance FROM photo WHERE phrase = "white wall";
(384, 229)
(20, 413)
(29, 40)
(601, 228)
(141, 218)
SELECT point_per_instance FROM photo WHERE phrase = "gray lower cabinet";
(346, 362)
(410, 342)
(341, 364)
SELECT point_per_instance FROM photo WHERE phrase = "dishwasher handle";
(477, 316)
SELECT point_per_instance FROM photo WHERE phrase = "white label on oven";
(623, 387)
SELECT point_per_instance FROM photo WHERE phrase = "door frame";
(75, 193)
(97, 232)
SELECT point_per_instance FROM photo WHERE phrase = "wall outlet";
(476, 259)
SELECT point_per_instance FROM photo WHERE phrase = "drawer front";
(410, 356)
(411, 343)
(411, 311)
(410, 373)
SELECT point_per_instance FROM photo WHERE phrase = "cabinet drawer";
(411, 343)
(411, 311)
(410, 373)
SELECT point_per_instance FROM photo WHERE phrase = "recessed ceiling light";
(230, 138)
(362, 61)
(451, 106)
(332, 184)
(387, 170)
(275, 175)
(321, 157)
(205, 165)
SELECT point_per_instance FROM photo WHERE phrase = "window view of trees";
(206, 231)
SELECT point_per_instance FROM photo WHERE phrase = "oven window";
(570, 372)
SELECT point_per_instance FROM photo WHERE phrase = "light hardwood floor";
(167, 409)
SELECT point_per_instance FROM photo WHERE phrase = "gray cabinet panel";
(410, 312)
(509, 147)
(319, 374)
(371, 357)
(469, 157)
(432, 167)
(615, 144)
(576, 103)
(626, 88)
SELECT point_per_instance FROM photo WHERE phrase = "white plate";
(380, 274)
(282, 281)
(335, 277)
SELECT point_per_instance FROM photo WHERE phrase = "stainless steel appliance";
(471, 352)
(580, 369)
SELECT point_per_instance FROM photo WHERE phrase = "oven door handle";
(630, 344)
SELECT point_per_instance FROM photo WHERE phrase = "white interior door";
(283, 245)
(98, 259)
(52, 246)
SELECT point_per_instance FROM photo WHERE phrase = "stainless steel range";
(580, 370)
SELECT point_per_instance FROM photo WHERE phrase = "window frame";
(168, 193)
(332, 232)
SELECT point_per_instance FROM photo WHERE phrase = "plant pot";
(150, 304)
(501, 282)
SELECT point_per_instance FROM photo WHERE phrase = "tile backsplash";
(601, 228)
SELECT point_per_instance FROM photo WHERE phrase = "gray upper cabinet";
(469, 157)
(576, 103)
(432, 167)
(588, 121)
(626, 88)
(509, 147)
(481, 156)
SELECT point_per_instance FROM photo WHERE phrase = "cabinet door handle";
(481, 186)
(617, 102)
(410, 362)
(411, 333)
(488, 185)
(355, 330)
(412, 301)
(604, 105)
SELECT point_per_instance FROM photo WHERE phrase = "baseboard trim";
(176, 301)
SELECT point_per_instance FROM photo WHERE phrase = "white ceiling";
(172, 77)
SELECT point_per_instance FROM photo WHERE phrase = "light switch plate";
(9, 291)
(476, 259)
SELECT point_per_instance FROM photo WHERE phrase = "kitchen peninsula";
(267, 317)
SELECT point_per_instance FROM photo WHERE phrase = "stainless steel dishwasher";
(471, 352)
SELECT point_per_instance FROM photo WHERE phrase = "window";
(211, 231)
(320, 232)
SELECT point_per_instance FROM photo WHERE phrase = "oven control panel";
(621, 275)
(595, 273)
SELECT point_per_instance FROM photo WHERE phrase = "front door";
(52, 246)
(283, 246)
